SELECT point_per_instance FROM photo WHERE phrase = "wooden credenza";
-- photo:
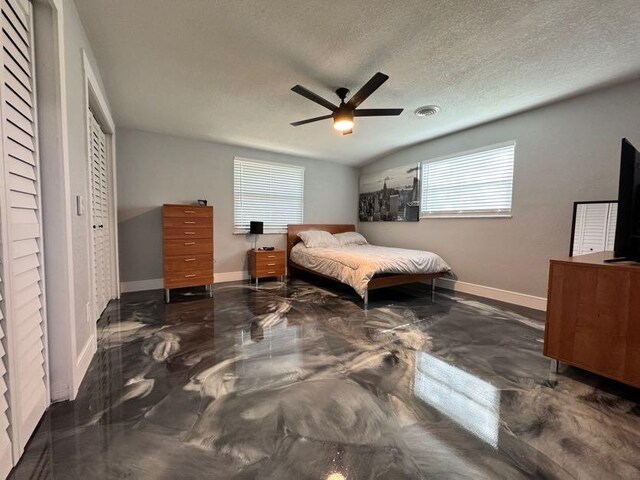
(187, 246)
(593, 316)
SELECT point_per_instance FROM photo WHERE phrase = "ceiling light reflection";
(336, 476)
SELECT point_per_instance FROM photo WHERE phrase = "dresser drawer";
(185, 233)
(187, 222)
(187, 211)
(188, 279)
(187, 263)
(188, 247)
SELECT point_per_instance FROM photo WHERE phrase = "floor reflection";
(467, 400)
(268, 351)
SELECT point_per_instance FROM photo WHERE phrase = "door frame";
(68, 361)
(64, 379)
(95, 101)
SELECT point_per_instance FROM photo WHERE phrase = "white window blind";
(272, 193)
(478, 183)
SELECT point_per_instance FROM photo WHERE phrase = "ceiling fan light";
(343, 124)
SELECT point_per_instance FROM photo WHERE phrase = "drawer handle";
(271, 272)
(187, 222)
(189, 211)
(271, 256)
(271, 264)
(189, 233)
(186, 244)
(190, 275)
(189, 259)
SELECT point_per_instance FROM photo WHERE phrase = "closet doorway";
(100, 211)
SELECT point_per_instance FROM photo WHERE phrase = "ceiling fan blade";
(309, 120)
(378, 112)
(300, 90)
(368, 88)
(347, 132)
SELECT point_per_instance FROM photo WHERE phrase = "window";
(272, 193)
(471, 184)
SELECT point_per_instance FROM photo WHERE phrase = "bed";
(364, 269)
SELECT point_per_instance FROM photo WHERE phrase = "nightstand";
(267, 263)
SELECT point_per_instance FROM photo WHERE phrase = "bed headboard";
(293, 230)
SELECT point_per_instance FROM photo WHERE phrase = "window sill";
(479, 215)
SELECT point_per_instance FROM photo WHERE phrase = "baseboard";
(515, 298)
(230, 277)
(537, 303)
(158, 283)
(60, 393)
(141, 285)
(82, 365)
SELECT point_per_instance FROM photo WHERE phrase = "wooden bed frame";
(378, 281)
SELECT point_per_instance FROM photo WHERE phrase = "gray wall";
(565, 152)
(154, 169)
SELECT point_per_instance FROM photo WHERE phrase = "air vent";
(427, 110)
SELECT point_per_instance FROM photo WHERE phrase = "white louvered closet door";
(24, 326)
(100, 215)
(6, 455)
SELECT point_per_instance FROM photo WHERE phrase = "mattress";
(355, 265)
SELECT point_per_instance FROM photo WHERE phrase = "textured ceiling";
(222, 69)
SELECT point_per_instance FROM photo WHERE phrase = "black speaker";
(256, 227)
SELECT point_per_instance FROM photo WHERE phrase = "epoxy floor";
(297, 381)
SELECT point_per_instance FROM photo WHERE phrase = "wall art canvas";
(391, 195)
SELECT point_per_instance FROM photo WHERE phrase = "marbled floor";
(299, 382)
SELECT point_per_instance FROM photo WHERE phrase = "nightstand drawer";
(260, 259)
(275, 254)
(171, 233)
(262, 262)
(185, 263)
(268, 272)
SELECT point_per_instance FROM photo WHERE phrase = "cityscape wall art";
(391, 195)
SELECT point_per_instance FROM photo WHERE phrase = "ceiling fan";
(344, 113)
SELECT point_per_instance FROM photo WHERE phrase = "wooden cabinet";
(593, 316)
(263, 263)
(187, 246)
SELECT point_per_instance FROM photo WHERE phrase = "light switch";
(79, 205)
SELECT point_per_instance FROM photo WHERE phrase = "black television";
(627, 243)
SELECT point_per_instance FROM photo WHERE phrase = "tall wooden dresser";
(188, 247)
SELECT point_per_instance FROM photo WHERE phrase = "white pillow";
(350, 238)
(318, 239)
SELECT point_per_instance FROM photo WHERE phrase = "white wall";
(565, 152)
(63, 54)
(154, 169)
(75, 42)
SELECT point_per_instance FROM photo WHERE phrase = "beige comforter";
(356, 264)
